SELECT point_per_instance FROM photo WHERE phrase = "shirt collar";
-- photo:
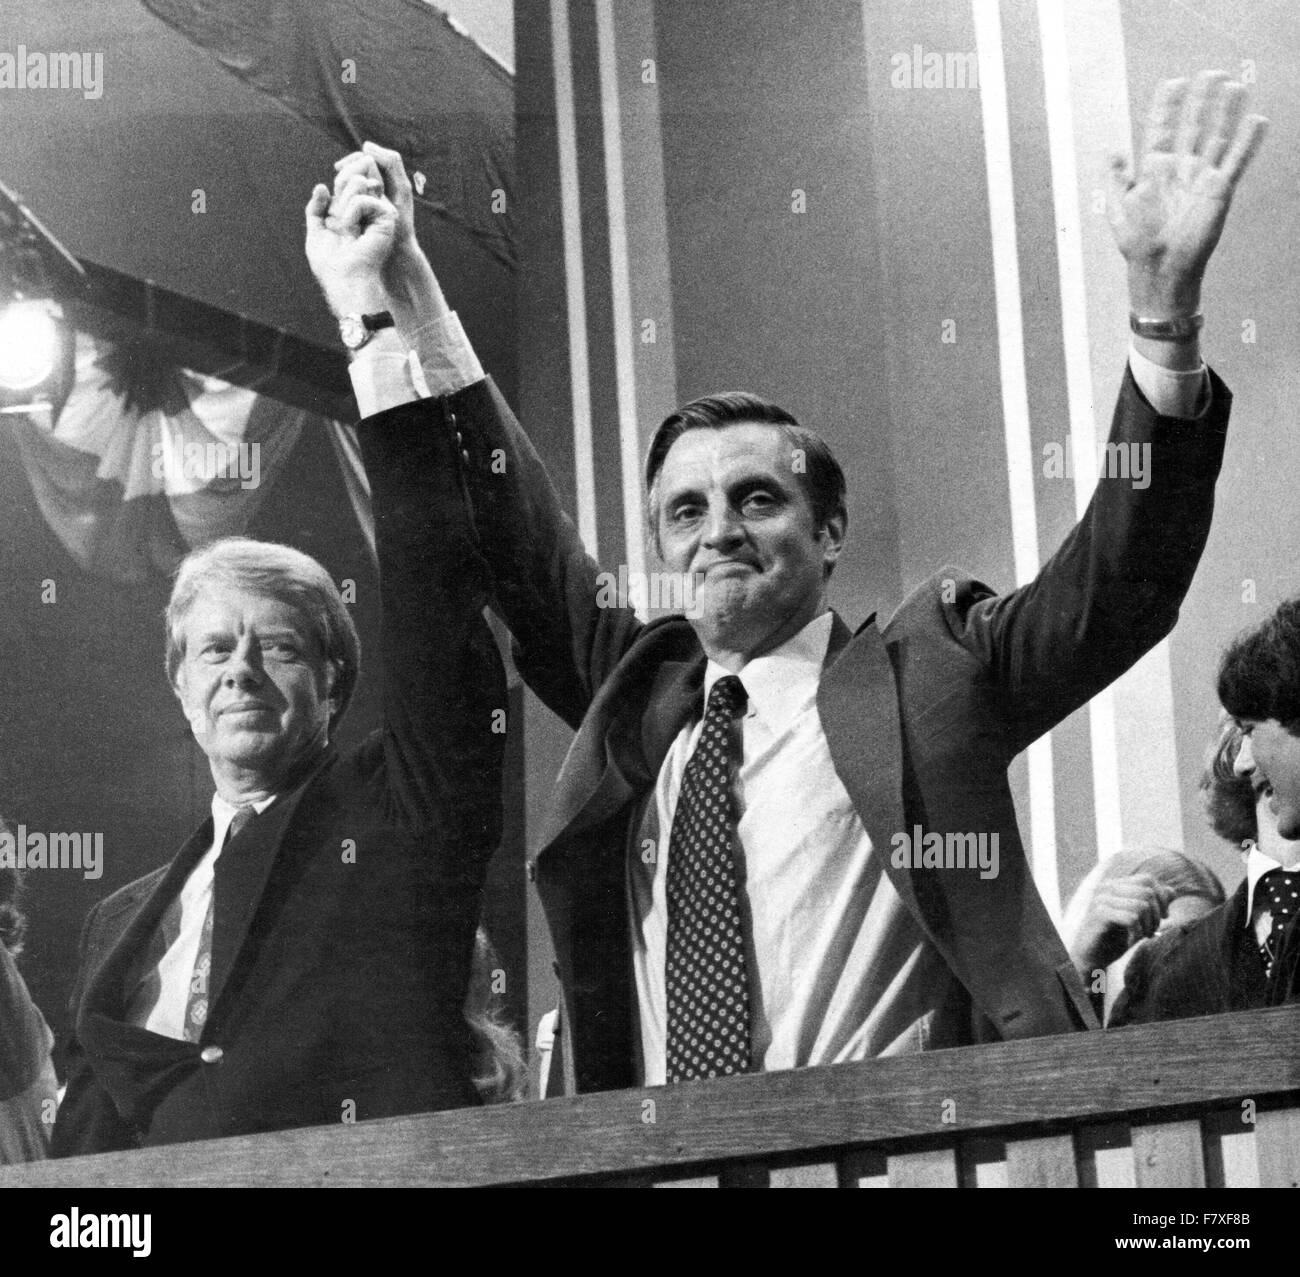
(779, 682)
(1257, 865)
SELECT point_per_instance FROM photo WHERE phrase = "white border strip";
(1015, 403)
(621, 290)
(584, 461)
(1078, 381)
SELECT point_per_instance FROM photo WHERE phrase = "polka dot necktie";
(708, 992)
(196, 1006)
(1281, 890)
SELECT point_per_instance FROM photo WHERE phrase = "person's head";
(750, 507)
(1259, 685)
(1195, 892)
(261, 652)
(1230, 799)
(13, 925)
(1196, 889)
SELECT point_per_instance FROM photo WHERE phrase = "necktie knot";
(727, 698)
(239, 821)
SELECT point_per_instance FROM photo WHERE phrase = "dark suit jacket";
(346, 912)
(922, 716)
(1206, 967)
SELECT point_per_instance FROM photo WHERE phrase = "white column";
(1015, 404)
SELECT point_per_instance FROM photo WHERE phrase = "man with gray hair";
(304, 958)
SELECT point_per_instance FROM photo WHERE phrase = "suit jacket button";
(211, 1054)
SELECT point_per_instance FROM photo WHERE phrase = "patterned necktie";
(196, 1006)
(1281, 889)
(708, 992)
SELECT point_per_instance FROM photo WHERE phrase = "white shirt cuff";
(1170, 393)
(381, 374)
(446, 359)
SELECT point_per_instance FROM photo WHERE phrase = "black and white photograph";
(649, 593)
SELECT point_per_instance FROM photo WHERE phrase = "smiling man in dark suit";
(305, 956)
(722, 867)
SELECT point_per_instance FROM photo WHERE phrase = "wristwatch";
(356, 330)
(1177, 329)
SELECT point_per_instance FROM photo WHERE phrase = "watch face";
(353, 331)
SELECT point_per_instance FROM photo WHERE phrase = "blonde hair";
(500, 1069)
(1186, 876)
(13, 923)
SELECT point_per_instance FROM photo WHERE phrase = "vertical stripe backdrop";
(977, 204)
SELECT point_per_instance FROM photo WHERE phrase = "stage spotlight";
(31, 344)
(37, 344)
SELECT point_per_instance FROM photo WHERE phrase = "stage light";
(31, 344)
(37, 343)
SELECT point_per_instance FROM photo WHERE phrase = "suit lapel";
(1239, 967)
(840, 636)
(107, 988)
(625, 736)
(240, 877)
(858, 705)
(591, 786)
(675, 698)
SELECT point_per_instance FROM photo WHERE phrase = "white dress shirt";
(159, 1003)
(838, 967)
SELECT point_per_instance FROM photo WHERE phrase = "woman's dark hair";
(820, 476)
(1229, 799)
(13, 925)
(1259, 674)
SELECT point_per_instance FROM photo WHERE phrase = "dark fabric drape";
(392, 71)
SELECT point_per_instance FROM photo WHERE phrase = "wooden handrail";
(1035, 1087)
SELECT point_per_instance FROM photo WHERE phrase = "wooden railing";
(1212, 1101)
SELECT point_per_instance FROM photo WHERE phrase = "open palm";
(1198, 143)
